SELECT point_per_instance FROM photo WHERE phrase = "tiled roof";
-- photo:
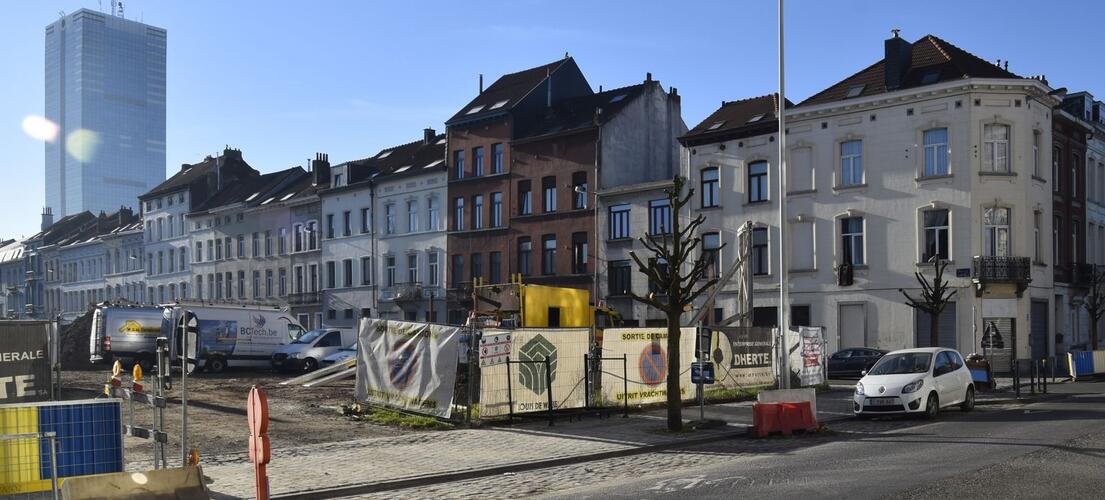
(63, 228)
(933, 61)
(579, 112)
(233, 167)
(412, 158)
(12, 251)
(507, 91)
(752, 115)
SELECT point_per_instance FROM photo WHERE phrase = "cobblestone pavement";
(555, 481)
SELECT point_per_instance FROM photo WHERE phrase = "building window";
(298, 279)
(329, 225)
(495, 265)
(366, 270)
(851, 237)
(759, 251)
(458, 214)
(711, 253)
(579, 253)
(412, 268)
(1036, 153)
(477, 161)
(477, 267)
(347, 273)
(198, 255)
(659, 217)
(579, 190)
(936, 152)
(172, 260)
(525, 256)
(389, 271)
(496, 209)
(619, 221)
(661, 266)
(312, 236)
(1036, 237)
(936, 235)
(458, 164)
(366, 220)
(1056, 230)
(1075, 162)
(268, 283)
(851, 163)
(256, 284)
(389, 219)
(1075, 226)
(995, 148)
(412, 216)
(256, 244)
(281, 241)
(548, 254)
(432, 271)
(548, 188)
(525, 198)
(241, 285)
(496, 158)
(1056, 169)
(457, 270)
(995, 221)
(757, 182)
(477, 211)
(434, 214)
(709, 187)
(346, 223)
(268, 243)
(331, 278)
(620, 276)
(199, 286)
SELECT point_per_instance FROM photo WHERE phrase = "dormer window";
(854, 91)
(756, 118)
(715, 125)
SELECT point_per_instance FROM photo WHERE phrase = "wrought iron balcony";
(304, 298)
(408, 291)
(1082, 274)
(986, 270)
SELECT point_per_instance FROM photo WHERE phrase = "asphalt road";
(1017, 451)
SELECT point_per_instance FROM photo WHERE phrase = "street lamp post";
(781, 112)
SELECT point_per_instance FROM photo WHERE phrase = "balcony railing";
(988, 269)
(408, 291)
(1082, 275)
(304, 298)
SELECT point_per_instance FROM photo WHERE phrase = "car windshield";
(896, 364)
(309, 337)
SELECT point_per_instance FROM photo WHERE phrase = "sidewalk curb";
(448, 477)
(1022, 400)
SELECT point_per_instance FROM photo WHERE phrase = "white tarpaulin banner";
(806, 361)
(528, 385)
(411, 366)
(646, 354)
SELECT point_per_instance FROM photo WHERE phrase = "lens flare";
(40, 128)
(82, 143)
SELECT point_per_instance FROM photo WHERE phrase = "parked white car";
(344, 354)
(305, 352)
(915, 381)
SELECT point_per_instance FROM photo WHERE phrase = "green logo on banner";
(532, 373)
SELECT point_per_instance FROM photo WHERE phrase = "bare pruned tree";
(676, 273)
(1095, 303)
(935, 295)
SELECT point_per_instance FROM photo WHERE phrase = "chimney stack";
(47, 218)
(481, 83)
(321, 168)
(428, 135)
(899, 56)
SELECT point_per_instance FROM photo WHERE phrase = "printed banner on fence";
(24, 361)
(523, 380)
(411, 366)
(806, 347)
(494, 348)
(646, 355)
(743, 357)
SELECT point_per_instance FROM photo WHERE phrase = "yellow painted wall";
(19, 460)
(574, 304)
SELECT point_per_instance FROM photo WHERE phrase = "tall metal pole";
(184, 389)
(781, 111)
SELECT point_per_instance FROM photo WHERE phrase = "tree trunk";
(934, 329)
(675, 399)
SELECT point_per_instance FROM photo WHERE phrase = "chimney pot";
(648, 76)
(428, 135)
(898, 57)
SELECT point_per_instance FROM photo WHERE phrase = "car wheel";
(968, 400)
(146, 364)
(310, 365)
(932, 407)
(215, 365)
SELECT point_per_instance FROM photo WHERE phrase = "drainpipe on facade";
(372, 229)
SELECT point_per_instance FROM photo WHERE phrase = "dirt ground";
(217, 412)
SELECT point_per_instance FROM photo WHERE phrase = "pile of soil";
(74, 344)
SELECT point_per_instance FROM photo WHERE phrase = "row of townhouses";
(929, 153)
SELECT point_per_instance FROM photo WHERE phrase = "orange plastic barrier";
(782, 417)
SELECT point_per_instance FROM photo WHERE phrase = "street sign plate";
(963, 272)
(702, 372)
(494, 349)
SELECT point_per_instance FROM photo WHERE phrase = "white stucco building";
(929, 152)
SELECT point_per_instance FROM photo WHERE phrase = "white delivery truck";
(306, 352)
(127, 333)
(235, 335)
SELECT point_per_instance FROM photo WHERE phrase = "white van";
(230, 335)
(127, 333)
(306, 352)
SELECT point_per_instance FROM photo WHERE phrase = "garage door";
(852, 319)
(1038, 335)
(947, 336)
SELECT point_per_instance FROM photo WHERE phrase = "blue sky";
(283, 80)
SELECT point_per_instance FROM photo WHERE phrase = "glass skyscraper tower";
(105, 89)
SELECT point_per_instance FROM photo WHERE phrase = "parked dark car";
(851, 363)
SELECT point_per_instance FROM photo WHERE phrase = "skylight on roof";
(252, 196)
(402, 169)
(289, 195)
(756, 118)
(716, 125)
(434, 164)
(441, 142)
(496, 105)
(617, 98)
(385, 154)
(475, 109)
(930, 77)
(854, 91)
(266, 202)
